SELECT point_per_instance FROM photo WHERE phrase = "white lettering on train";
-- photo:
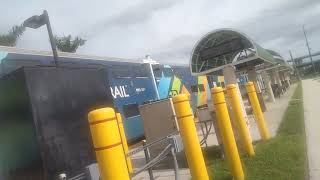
(119, 91)
(138, 90)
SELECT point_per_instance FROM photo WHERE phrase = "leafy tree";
(67, 44)
(64, 44)
(11, 38)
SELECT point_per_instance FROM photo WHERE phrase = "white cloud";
(166, 29)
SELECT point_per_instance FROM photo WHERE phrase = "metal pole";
(175, 163)
(207, 131)
(147, 155)
(295, 65)
(52, 41)
(154, 83)
(309, 51)
(2, 68)
(204, 135)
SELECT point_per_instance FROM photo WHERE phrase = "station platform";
(273, 117)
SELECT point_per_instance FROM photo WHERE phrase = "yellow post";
(240, 120)
(107, 144)
(189, 137)
(124, 141)
(264, 133)
(229, 143)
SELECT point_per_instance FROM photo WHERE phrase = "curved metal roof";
(274, 53)
(226, 46)
(281, 63)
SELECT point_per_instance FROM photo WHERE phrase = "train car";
(130, 80)
(173, 80)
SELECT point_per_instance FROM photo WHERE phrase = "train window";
(157, 70)
(201, 88)
(131, 110)
(168, 72)
(194, 88)
(120, 71)
(141, 71)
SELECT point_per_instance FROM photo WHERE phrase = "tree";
(12, 37)
(67, 44)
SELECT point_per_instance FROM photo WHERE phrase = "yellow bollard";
(229, 143)
(107, 144)
(264, 133)
(124, 141)
(189, 137)
(240, 120)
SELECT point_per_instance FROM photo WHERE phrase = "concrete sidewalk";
(311, 103)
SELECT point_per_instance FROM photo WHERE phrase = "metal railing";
(171, 149)
(205, 133)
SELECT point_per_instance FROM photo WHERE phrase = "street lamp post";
(37, 21)
(295, 66)
(309, 51)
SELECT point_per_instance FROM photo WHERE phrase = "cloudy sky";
(166, 29)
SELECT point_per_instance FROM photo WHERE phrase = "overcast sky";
(166, 29)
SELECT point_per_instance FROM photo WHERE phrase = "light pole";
(149, 61)
(37, 21)
(309, 51)
(295, 65)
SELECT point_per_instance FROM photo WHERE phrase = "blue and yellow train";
(130, 80)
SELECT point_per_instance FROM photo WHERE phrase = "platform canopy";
(222, 47)
(281, 64)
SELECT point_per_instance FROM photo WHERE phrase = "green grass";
(282, 157)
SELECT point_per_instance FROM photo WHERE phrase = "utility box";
(44, 129)
(204, 114)
(159, 121)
